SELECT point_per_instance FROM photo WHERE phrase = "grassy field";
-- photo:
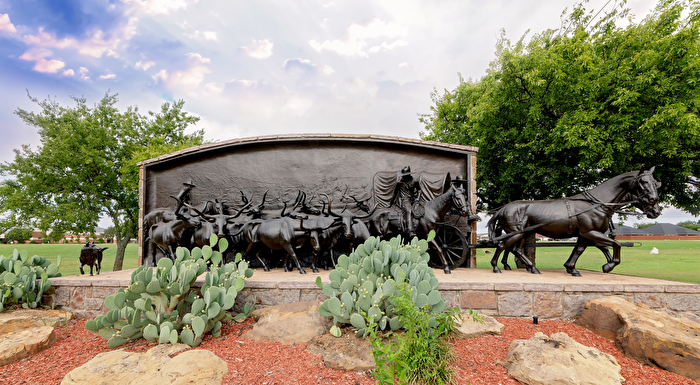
(70, 255)
(676, 261)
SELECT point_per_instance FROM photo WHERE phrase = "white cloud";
(108, 76)
(97, 45)
(44, 39)
(358, 86)
(387, 47)
(34, 54)
(206, 35)
(83, 73)
(156, 7)
(300, 67)
(39, 55)
(69, 72)
(354, 41)
(260, 49)
(6, 25)
(403, 65)
(214, 88)
(190, 77)
(48, 66)
(297, 106)
(144, 66)
(161, 75)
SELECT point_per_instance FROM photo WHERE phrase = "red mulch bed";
(253, 362)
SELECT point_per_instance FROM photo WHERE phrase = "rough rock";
(348, 352)
(469, 328)
(25, 332)
(157, 366)
(649, 336)
(559, 359)
(290, 323)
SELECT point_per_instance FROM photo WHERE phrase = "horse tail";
(494, 225)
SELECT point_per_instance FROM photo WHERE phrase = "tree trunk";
(122, 242)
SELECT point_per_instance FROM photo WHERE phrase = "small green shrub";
(422, 354)
(160, 305)
(24, 279)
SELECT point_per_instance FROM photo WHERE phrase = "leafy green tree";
(644, 225)
(18, 235)
(690, 225)
(85, 165)
(109, 232)
(575, 106)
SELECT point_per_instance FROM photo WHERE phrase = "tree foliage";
(572, 107)
(18, 235)
(690, 225)
(85, 165)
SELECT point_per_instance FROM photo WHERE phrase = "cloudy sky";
(251, 68)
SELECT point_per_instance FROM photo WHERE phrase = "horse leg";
(81, 268)
(494, 260)
(570, 264)
(604, 242)
(518, 242)
(290, 250)
(504, 260)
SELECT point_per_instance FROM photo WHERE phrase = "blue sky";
(251, 68)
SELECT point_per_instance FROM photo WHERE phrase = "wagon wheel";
(454, 246)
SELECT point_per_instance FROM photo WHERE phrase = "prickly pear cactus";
(23, 279)
(364, 283)
(161, 306)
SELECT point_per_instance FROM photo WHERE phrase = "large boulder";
(649, 336)
(559, 359)
(290, 323)
(469, 328)
(25, 332)
(348, 352)
(155, 367)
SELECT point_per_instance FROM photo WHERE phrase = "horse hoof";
(608, 268)
(506, 267)
(302, 271)
(496, 270)
(535, 271)
(447, 270)
(315, 270)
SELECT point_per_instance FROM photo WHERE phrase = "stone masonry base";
(551, 295)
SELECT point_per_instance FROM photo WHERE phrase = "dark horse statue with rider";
(586, 216)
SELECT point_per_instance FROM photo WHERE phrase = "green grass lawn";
(676, 261)
(70, 255)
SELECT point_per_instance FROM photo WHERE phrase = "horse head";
(459, 199)
(644, 192)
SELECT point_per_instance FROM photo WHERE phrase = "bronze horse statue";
(384, 223)
(586, 216)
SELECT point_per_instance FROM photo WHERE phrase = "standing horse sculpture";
(383, 223)
(586, 216)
